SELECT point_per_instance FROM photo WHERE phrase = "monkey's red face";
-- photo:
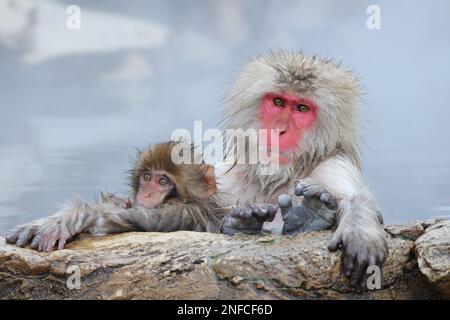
(291, 116)
(154, 187)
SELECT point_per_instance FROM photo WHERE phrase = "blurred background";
(75, 104)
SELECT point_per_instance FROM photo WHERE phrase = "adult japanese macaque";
(165, 197)
(313, 105)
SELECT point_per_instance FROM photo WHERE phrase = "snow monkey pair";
(165, 197)
(314, 105)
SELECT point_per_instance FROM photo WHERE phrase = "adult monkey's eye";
(147, 177)
(278, 102)
(302, 108)
(163, 182)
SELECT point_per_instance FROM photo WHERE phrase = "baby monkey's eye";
(302, 108)
(163, 182)
(278, 102)
(147, 177)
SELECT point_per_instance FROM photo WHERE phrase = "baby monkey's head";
(158, 175)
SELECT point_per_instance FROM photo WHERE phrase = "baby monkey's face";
(154, 187)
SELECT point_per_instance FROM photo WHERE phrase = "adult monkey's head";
(313, 103)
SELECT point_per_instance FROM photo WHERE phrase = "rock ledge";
(189, 265)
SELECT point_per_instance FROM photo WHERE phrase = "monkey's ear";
(210, 180)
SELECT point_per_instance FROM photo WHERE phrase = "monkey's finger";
(229, 231)
(238, 223)
(24, 237)
(349, 259)
(128, 203)
(259, 210)
(11, 237)
(264, 213)
(41, 244)
(316, 191)
(299, 188)
(285, 203)
(63, 239)
(273, 209)
(358, 272)
(335, 242)
(247, 213)
(242, 213)
(50, 244)
(61, 243)
(272, 212)
(231, 226)
(372, 261)
(270, 217)
(36, 241)
(380, 217)
(361, 263)
(363, 281)
(235, 213)
(329, 200)
(380, 258)
(49, 240)
(348, 265)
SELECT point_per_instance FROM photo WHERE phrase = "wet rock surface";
(189, 265)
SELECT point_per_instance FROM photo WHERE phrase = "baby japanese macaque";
(165, 197)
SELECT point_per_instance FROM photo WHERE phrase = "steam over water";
(74, 105)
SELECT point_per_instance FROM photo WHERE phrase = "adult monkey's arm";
(360, 233)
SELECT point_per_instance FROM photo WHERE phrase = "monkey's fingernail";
(248, 212)
(284, 201)
(333, 245)
(298, 191)
(35, 243)
(11, 239)
(324, 197)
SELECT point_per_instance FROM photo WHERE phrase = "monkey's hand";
(44, 234)
(317, 210)
(24, 234)
(53, 233)
(363, 241)
(249, 219)
(124, 203)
